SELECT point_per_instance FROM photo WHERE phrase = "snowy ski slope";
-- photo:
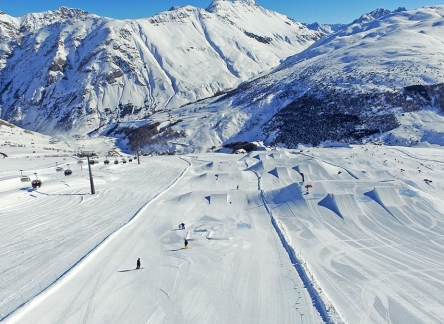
(363, 244)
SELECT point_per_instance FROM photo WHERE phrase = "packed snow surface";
(360, 240)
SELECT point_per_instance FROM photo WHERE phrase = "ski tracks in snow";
(17, 313)
(318, 301)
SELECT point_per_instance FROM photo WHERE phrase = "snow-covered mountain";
(71, 71)
(355, 85)
(142, 81)
(376, 14)
(327, 29)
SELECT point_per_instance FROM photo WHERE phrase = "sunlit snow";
(359, 241)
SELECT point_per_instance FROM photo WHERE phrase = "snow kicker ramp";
(280, 172)
(218, 200)
(219, 179)
(312, 171)
(262, 156)
(230, 165)
(330, 203)
(276, 156)
(348, 206)
(389, 199)
(303, 168)
(205, 167)
(337, 172)
(261, 166)
(319, 170)
(290, 201)
(223, 177)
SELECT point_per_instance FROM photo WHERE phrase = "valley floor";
(357, 239)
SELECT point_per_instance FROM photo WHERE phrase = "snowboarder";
(186, 243)
(138, 263)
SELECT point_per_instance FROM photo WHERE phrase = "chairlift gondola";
(24, 178)
(123, 161)
(106, 162)
(130, 160)
(116, 162)
(36, 183)
(68, 171)
(92, 162)
(58, 169)
(79, 161)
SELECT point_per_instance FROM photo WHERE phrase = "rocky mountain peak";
(218, 5)
(66, 12)
(375, 14)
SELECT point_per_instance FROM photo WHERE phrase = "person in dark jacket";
(186, 244)
(138, 263)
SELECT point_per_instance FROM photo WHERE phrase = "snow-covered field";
(363, 244)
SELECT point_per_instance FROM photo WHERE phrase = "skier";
(182, 226)
(138, 263)
(186, 243)
(237, 188)
(303, 178)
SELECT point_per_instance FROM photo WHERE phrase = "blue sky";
(324, 11)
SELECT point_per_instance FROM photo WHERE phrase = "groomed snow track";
(318, 302)
(59, 280)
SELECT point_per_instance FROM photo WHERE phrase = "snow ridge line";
(42, 294)
(302, 272)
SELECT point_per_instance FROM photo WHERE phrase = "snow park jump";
(331, 253)
(286, 172)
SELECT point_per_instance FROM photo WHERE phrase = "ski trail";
(18, 312)
(318, 302)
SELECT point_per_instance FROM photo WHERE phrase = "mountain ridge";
(354, 86)
(88, 71)
(365, 76)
